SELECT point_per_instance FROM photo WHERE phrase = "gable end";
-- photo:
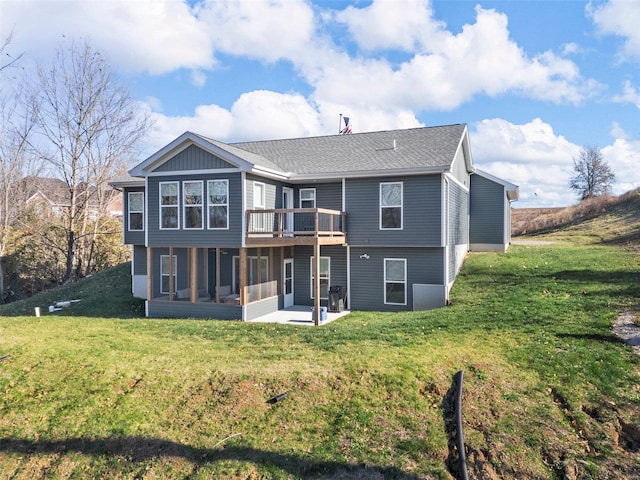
(193, 158)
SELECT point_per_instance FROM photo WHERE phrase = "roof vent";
(394, 144)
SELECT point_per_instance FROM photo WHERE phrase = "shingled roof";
(415, 148)
(409, 151)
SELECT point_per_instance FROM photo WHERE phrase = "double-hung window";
(136, 211)
(395, 281)
(192, 203)
(324, 277)
(218, 204)
(391, 206)
(307, 198)
(169, 211)
(166, 273)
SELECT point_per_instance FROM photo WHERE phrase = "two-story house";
(235, 231)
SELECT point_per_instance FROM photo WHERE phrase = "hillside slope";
(106, 294)
(605, 220)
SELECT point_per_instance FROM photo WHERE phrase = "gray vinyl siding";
(459, 168)
(328, 195)
(182, 275)
(422, 199)
(302, 271)
(135, 237)
(458, 230)
(487, 222)
(139, 260)
(424, 266)
(193, 158)
(185, 309)
(232, 237)
(273, 192)
(263, 307)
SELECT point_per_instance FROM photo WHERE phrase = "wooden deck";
(295, 226)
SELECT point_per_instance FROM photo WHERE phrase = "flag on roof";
(347, 128)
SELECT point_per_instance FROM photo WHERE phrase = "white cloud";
(389, 24)
(541, 162)
(143, 36)
(622, 156)
(530, 155)
(620, 18)
(629, 95)
(443, 74)
(267, 30)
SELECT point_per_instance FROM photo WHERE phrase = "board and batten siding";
(232, 237)
(302, 271)
(424, 266)
(486, 211)
(132, 237)
(422, 199)
(193, 158)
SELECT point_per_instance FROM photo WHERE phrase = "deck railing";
(295, 222)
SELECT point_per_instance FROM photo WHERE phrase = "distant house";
(236, 231)
(50, 196)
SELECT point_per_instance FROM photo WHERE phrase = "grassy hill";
(96, 391)
(610, 220)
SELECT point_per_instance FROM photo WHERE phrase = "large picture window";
(192, 203)
(169, 215)
(165, 273)
(218, 203)
(395, 281)
(136, 211)
(391, 205)
(307, 198)
(324, 277)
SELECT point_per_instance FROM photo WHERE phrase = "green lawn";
(549, 390)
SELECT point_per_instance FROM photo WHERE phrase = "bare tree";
(593, 176)
(91, 126)
(17, 159)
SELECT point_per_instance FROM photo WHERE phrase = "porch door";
(288, 282)
(287, 202)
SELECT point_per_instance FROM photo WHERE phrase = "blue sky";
(534, 80)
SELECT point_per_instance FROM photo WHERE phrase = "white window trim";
(307, 199)
(328, 276)
(134, 211)
(384, 287)
(175, 273)
(401, 206)
(217, 204)
(195, 205)
(261, 205)
(177, 227)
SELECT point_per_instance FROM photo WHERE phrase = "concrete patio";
(297, 315)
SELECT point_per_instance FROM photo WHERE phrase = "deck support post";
(243, 276)
(193, 275)
(316, 284)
